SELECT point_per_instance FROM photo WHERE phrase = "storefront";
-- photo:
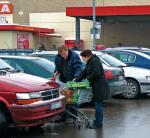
(128, 25)
(23, 37)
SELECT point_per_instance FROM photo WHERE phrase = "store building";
(21, 36)
(128, 28)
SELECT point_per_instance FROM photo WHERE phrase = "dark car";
(115, 76)
(144, 50)
(131, 57)
(136, 48)
(31, 65)
(20, 52)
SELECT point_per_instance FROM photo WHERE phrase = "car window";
(14, 64)
(112, 61)
(131, 58)
(49, 57)
(45, 63)
(3, 64)
(123, 57)
(36, 67)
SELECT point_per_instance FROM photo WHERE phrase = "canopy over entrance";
(112, 13)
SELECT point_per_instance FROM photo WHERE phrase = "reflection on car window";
(131, 58)
(4, 64)
(14, 64)
(45, 63)
(112, 61)
(123, 57)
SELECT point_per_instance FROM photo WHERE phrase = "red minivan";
(27, 100)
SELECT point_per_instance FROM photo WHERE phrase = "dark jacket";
(95, 74)
(70, 68)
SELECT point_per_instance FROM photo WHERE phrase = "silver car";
(138, 79)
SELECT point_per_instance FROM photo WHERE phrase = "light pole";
(94, 24)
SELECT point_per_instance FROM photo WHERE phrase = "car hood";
(21, 82)
(136, 71)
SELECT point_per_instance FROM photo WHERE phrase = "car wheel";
(133, 89)
(3, 123)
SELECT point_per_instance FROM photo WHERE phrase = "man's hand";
(53, 78)
(74, 79)
(56, 73)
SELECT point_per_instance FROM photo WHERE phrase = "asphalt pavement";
(122, 119)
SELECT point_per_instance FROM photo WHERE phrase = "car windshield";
(5, 66)
(45, 64)
(112, 61)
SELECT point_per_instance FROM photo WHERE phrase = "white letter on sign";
(5, 8)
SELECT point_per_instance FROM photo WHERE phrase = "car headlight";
(21, 96)
(28, 98)
(35, 95)
(148, 78)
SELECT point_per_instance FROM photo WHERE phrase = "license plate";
(56, 105)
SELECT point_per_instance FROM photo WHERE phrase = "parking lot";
(123, 119)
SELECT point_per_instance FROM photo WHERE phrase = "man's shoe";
(97, 124)
(94, 126)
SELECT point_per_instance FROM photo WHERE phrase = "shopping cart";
(72, 94)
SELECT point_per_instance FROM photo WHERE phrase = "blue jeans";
(98, 114)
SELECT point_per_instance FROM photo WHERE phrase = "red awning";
(108, 11)
(16, 27)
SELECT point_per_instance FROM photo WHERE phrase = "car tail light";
(123, 73)
(109, 75)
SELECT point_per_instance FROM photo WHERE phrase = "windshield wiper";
(6, 68)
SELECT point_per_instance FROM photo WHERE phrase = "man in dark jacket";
(68, 66)
(95, 74)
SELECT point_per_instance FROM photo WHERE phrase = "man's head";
(63, 51)
(86, 55)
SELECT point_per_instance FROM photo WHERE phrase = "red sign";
(23, 41)
(72, 44)
(6, 8)
(100, 47)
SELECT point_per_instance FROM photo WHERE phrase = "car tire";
(3, 123)
(133, 89)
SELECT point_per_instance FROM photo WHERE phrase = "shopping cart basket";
(72, 94)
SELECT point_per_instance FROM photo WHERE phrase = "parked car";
(136, 48)
(144, 50)
(27, 100)
(31, 65)
(131, 57)
(39, 67)
(20, 52)
(115, 76)
(138, 79)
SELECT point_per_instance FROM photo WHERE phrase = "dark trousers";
(98, 113)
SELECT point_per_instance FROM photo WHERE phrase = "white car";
(138, 79)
